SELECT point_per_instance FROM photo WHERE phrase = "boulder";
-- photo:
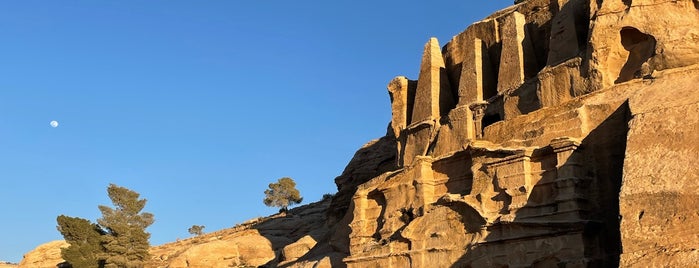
(44, 256)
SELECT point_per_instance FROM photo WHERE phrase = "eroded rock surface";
(247, 249)
(47, 255)
(265, 242)
(571, 150)
(7, 265)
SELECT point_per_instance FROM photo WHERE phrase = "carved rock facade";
(552, 133)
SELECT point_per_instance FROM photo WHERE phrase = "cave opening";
(641, 47)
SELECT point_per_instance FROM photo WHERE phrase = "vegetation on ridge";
(196, 230)
(119, 239)
(282, 194)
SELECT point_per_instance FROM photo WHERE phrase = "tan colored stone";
(299, 248)
(517, 59)
(620, 49)
(8, 265)
(542, 187)
(469, 63)
(47, 255)
(433, 97)
(457, 133)
(660, 192)
(417, 142)
(402, 93)
(253, 243)
(374, 158)
(248, 250)
(477, 76)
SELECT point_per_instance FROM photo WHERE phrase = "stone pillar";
(402, 93)
(565, 27)
(359, 237)
(433, 97)
(517, 60)
(477, 79)
(463, 51)
(424, 180)
(570, 179)
(478, 111)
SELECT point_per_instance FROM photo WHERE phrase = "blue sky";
(196, 105)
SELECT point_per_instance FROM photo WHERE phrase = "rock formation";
(571, 143)
(549, 134)
(47, 255)
(7, 265)
(273, 241)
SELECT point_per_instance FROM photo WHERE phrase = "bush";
(196, 230)
(327, 196)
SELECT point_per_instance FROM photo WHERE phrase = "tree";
(282, 194)
(196, 230)
(126, 243)
(118, 240)
(84, 238)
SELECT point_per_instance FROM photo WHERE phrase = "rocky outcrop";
(374, 158)
(47, 255)
(7, 265)
(248, 249)
(278, 240)
(296, 250)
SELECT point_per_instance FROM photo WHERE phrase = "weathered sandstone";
(47, 255)
(7, 265)
(573, 150)
(249, 249)
(273, 241)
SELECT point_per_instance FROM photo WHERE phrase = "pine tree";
(119, 240)
(126, 242)
(84, 238)
(282, 194)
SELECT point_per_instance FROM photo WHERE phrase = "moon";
(54, 123)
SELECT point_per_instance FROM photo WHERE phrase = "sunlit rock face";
(47, 255)
(568, 140)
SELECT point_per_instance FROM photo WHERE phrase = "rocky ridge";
(7, 265)
(551, 133)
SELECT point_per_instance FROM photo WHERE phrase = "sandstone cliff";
(549, 134)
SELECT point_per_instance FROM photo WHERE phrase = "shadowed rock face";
(549, 134)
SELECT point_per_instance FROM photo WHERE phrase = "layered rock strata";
(567, 140)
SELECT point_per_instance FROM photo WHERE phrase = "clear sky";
(196, 105)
